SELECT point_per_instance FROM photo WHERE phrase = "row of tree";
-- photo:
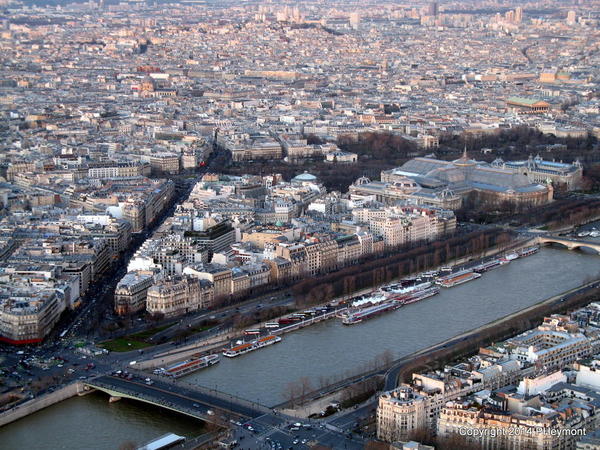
(376, 151)
(299, 391)
(518, 143)
(390, 149)
(396, 264)
(383, 150)
(561, 213)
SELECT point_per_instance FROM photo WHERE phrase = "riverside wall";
(41, 402)
(219, 341)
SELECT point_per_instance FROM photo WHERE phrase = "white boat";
(372, 299)
(355, 317)
(511, 256)
(251, 346)
(418, 296)
(188, 366)
(528, 251)
(484, 267)
(406, 290)
(457, 278)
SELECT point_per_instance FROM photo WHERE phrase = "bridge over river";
(569, 243)
(218, 407)
(194, 401)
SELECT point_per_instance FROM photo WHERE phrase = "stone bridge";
(571, 244)
(205, 404)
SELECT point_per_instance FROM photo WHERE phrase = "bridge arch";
(194, 401)
(587, 247)
(140, 398)
(571, 244)
(551, 243)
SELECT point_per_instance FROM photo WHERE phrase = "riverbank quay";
(458, 347)
(216, 343)
(43, 401)
(446, 338)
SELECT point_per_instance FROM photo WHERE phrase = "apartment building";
(296, 254)
(28, 314)
(220, 277)
(165, 162)
(399, 413)
(402, 224)
(493, 428)
(256, 150)
(118, 170)
(216, 238)
(179, 295)
(131, 292)
(549, 348)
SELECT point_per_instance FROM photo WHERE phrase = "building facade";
(400, 413)
(130, 293)
(179, 295)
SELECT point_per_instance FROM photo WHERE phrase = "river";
(92, 423)
(321, 352)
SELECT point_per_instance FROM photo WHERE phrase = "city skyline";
(403, 197)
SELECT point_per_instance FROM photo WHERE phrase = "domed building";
(405, 184)
(537, 170)
(303, 178)
(399, 187)
(464, 161)
(442, 182)
(362, 180)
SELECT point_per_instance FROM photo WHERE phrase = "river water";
(321, 352)
(91, 422)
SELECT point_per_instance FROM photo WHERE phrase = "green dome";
(305, 177)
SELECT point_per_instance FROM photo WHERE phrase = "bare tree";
(387, 357)
(291, 392)
(305, 388)
(377, 361)
(323, 381)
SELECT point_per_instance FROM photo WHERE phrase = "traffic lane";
(34, 366)
(301, 434)
(223, 314)
(167, 399)
(391, 380)
(222, 403)
(180, 393)
(248, 440)
(349, 419)
(286, 440)
(338, 440)
(271, 420)
(107, 282)
(148, 353)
